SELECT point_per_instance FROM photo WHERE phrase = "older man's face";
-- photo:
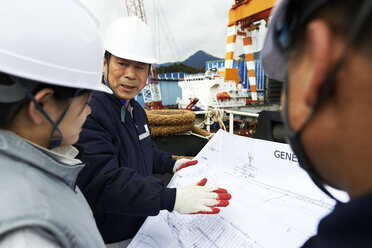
(126, 77)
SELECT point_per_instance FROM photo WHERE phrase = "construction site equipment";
(211, 114)
(212, 91)
(223, 95)
(174, 131)
(243, 19)
(136, 8)
(241, 65)
(192, 103)
(151, 91)
(168, 122)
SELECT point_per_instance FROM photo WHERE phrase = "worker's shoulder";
(104, 113)
(137, 107)
(352, 218)
(100, 99)
(102, 104)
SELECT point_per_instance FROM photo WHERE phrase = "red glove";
(182, 163)
(198, 199)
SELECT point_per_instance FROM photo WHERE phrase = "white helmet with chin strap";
(130, 38)
(51, 41)
(54, 42)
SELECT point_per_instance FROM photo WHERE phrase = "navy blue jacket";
(348, 226)
(118, 181)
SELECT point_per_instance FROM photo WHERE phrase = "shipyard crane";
(151, 92)
(244, 17)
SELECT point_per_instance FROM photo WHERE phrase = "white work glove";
(182, 163)
(198, 199)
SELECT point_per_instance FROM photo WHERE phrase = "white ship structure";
(212, 91)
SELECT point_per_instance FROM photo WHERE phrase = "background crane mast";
(151, 92)
(136, 8)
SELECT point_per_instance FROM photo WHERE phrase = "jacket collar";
(59, 165)
(117, 101)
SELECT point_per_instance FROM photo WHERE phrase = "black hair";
(8, 111)
(340, 15)
(108, 56)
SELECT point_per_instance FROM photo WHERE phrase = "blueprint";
(274, 203)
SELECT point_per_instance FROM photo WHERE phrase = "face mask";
(294, 138)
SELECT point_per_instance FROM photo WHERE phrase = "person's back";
(45, 87)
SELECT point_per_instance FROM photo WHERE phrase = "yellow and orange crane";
(244, 17)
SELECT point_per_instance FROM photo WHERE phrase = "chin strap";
(106, 81)
(54, 141)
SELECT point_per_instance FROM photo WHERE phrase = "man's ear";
(44, 98)
(104, 65)
(319, 38)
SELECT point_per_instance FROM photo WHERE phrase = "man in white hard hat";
(50, 60)
(321, 50)
(117, 145)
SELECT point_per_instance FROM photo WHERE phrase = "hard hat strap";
(107, 56)
(54, 141)
(123, 102)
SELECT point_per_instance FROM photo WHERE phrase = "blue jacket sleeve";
(163, 162)
(111, 189)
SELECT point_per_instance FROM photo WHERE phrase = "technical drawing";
(211, 231)
(214, 149)
(145, 241)
(244, 168)
(266, 208)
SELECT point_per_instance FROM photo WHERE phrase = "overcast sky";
(194, 24)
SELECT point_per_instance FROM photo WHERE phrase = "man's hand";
(198, 199)
(182, 163)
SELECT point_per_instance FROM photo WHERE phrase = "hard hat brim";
(272, 56)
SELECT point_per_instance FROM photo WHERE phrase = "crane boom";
(246, 12)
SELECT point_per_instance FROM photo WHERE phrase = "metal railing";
(231, 113)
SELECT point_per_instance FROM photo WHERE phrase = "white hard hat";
(51, 41)
(130, 38)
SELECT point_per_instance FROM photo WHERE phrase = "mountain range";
(197, 60)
